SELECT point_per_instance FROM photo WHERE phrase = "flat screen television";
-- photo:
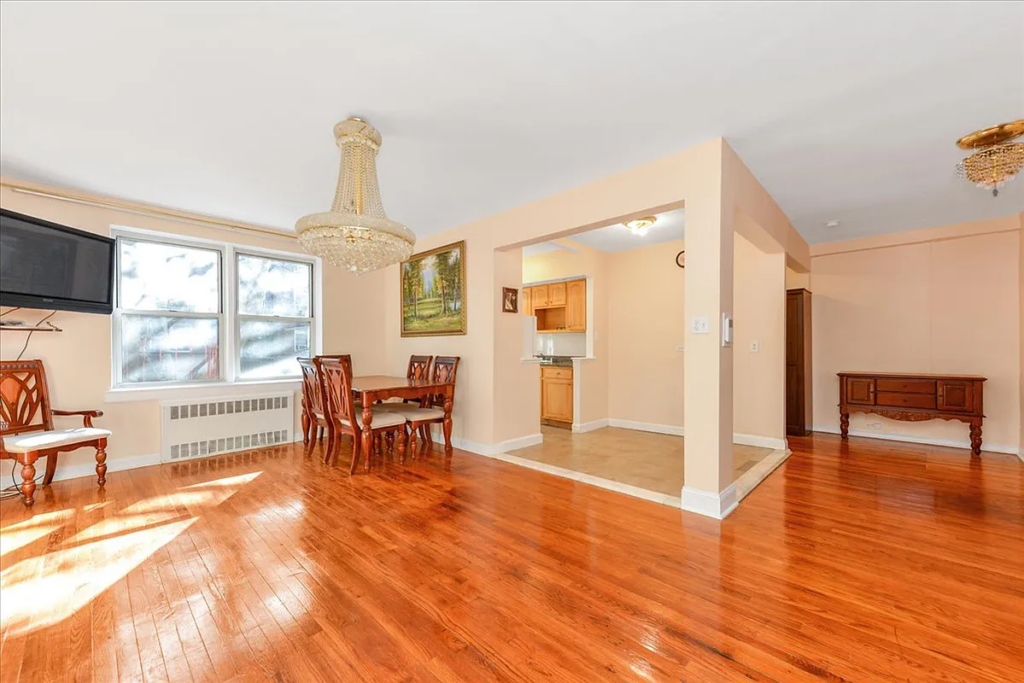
(50, 266)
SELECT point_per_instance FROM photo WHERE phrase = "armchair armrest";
(87, 415)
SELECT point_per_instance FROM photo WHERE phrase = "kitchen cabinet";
(576, 306)
(559, 306)
(556, 394)
(556, 294)
(540, 296)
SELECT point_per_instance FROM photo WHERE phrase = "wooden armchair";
(26, 426)
(341, 409)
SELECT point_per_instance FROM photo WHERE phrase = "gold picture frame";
(432, 292)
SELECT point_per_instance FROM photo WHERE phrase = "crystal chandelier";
(639, 226)
(356, 234)
(997, 160)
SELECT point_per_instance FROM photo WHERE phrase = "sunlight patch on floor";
(47, 588)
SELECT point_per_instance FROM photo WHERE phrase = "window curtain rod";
(156, 212)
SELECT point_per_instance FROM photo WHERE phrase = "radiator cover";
(211, 426)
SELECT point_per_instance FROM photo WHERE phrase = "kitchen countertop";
(559, 361)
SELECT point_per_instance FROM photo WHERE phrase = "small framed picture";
(509, 300)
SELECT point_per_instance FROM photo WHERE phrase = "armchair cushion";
(55, 438)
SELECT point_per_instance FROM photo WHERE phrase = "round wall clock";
(681, 259)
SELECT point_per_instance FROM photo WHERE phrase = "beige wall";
(78, 360)
(795, 280)
(759, 377)
(647, 324)
(946, 301)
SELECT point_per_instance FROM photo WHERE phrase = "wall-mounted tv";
(50, 266)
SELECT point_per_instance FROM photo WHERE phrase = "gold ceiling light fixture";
(997, 160)
(639, 226)
(356, 234)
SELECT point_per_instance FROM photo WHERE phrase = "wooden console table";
(913, 398)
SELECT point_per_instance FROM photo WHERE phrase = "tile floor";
(643, 459)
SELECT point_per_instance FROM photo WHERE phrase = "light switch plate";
(700, 325)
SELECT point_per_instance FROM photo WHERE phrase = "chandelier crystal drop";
(997, 160)
(356, 234)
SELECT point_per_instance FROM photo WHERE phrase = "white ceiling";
(668, 226)
(844, 111)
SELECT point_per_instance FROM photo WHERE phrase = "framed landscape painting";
(434, 292)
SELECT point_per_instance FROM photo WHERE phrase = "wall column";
(708, 366)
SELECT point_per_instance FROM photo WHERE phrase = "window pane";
(168, 277)
(269, 349)
(269, 286)
(164, 349)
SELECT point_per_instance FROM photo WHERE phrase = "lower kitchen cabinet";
(556, 394)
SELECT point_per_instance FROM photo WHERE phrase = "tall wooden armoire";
(798, 362)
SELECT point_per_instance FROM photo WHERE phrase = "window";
(274, 316)
(190, 312)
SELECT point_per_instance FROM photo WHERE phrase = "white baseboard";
(590, 426)
(715, 505)
(646, 427)
(927, 441)
(760, 441)
(88, 469)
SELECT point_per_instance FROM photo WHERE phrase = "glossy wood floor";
(867, 562)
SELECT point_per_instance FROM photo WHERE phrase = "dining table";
(373, 388)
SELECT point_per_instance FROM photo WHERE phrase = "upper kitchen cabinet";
(556, 294)
(540, 296)
(559, 306)
(576, 306)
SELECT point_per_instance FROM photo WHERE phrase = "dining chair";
(341, 410)
(431, 411)
(419, 367)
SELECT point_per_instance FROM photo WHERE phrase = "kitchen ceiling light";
(639, 226)
(356, 234)
(997, 161)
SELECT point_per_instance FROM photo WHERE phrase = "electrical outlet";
(755, 346)
(700, 325)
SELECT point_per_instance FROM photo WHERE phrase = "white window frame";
(239, 317)
(229, 329)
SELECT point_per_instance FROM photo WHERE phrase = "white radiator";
(199, 429)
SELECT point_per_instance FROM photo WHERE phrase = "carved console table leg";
(976, 438)
(844, 424)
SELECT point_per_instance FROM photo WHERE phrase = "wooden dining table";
(373, 388)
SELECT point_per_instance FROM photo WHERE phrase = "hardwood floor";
(866, 561)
